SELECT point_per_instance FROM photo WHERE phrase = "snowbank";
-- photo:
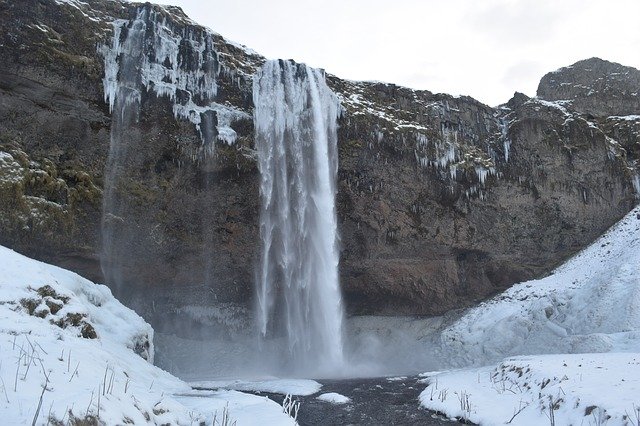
(587, 313)
(244, 409)
(69, 349)
(571, 389)
(590, 304)
(297, 387)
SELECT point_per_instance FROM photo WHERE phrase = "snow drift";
(585, 316)
(70, 351)
(590, 304)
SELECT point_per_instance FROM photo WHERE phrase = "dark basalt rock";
(422, 230)
(415, 243)
(595, 87)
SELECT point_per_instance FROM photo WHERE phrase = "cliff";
(442, 201)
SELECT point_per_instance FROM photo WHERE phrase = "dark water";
(376, 401)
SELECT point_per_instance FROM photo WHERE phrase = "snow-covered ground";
(586, 313)
(582, 389)
(300, 387)
(69, 349)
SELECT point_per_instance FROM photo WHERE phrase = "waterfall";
(150, 56)
(122, 84)
(295, 118)
(298, 290)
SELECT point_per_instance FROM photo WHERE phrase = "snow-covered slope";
(69, 349)
(587, 314)
(590, 304)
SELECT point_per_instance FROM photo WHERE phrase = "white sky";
(487, 49)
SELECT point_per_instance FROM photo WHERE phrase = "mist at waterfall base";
(297, 328)
(373, 347)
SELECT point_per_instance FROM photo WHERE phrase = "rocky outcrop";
(446, 201)
(594, 87)
(442, 201)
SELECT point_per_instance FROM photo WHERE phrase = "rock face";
(447, 201)
(442, 201)
(595, 87)
(54, 133)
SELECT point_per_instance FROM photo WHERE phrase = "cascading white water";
(298, 289)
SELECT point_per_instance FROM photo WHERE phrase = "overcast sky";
(483, 48)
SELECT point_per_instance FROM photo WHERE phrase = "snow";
(244, 409)
(583, 389)
(590, 304)
(449, 150)
(559, 105)
(49, 370)
(334, 398)
(355, 100)
(577, 334)
(298, 387)
(11, 172)
(625, 117)
(80, 6)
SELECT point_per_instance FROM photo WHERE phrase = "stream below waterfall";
(373, 401)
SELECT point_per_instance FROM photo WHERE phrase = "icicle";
(179, 65)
